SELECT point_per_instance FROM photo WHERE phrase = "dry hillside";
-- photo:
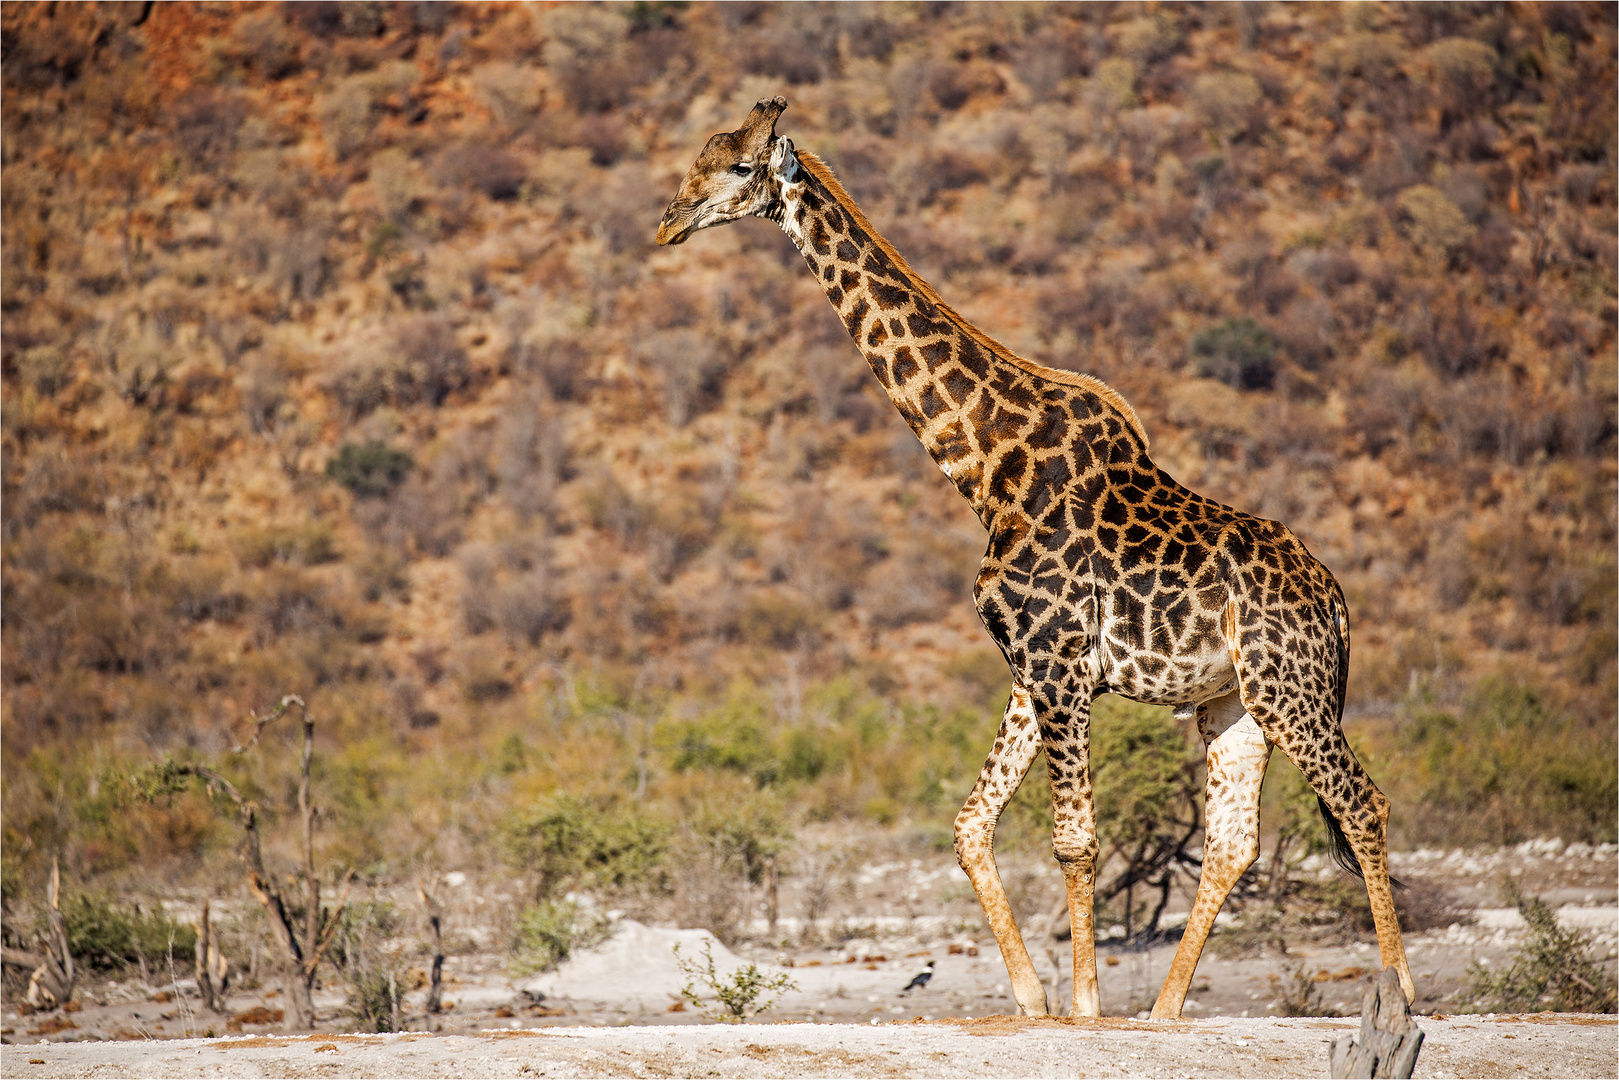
(338, 359)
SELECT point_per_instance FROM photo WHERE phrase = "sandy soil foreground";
(1463, 1046)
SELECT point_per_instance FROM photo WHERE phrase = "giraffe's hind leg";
(1016, 744)
(1237, 756)
(1313, 739)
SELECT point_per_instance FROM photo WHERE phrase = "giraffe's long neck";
(930, 362)
(986, 416)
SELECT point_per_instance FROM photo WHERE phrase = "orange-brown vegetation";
(339, 360)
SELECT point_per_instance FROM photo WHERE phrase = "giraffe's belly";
(1185, 677)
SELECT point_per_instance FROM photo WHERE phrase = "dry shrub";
(202, 587)
(1305, 334)
(628, 209)
(1543, 575)
(680, 529)
(482, 675)
(824, 548)
(776, 620)
(530, 453)
(421, 517)
(556, 363)
(265, 44)
(1329, 270)
(304, 543)
(512, 588)
(1081, 309)
(691, 367)
(511, 93)
(1445, 331)
(1462, 69)
(1375, 57)
(345, 115)
(905, 590)
(477, 563)
(1227, 100)
(588, 52)
(1435, 224)
(204, 123)
(419, 362)
(1150, 38)
(718, 849)
(529, 606)
(285, 600)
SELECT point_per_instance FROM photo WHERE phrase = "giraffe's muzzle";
(674, 229)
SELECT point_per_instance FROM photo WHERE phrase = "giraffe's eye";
(742, 170)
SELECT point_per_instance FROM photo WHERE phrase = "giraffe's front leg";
(1074, 842)
(1016, 744)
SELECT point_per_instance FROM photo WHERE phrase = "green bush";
(549, 931)
(1146, 784)
(566, 842)
(1238, 352)
(738, 997)
(1505, 765)
(106, 935)
(371, 470)
(1552, 971)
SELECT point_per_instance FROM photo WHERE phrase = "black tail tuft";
(1337, 842)
(1342, 853)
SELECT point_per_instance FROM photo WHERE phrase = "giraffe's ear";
(759, 129)
(784, 161)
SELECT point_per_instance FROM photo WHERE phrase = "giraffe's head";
(739, 173)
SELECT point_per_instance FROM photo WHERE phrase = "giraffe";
(1102, 574)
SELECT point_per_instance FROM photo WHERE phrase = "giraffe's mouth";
(674, 232)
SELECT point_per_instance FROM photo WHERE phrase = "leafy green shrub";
(373, 469)
(566, 841)
(1552, 971)
(549, 931)
(105, 934)
(1238, 352)
(739, 997)
(1144, 775)
(1504, 766)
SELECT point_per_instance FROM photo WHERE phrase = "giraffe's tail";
(1337, 843)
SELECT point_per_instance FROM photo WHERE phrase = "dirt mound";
(635, 968)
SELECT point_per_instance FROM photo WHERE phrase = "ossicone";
(762, 120)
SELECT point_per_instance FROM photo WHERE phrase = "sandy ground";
(1507, 1046)
(615, 1009)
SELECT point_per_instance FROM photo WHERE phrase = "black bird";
(920, 979)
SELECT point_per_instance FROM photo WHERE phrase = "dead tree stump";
(51, 986)
(1389, 1038)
